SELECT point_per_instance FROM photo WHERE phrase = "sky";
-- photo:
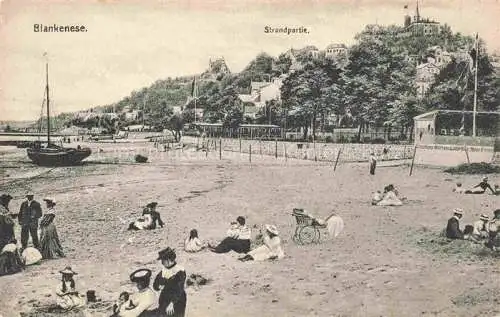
(131, 44)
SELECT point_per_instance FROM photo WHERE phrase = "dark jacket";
(29, 213)
(453, 229)
(172, 292)
(6, 230)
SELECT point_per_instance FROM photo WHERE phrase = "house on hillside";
(260, 93)
(425, 77)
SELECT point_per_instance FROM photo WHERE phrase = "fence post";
(250, 153)
(276, 148)
(337, 159)
(284, 148)
(260, 147)
(314, 150)
(413, 159)
(220, 149)
(206, 152)
(467, 154)
(240, 144)
(197, 143)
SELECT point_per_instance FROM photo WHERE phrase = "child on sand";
(193, 243)
(124, 303)
(459, 189)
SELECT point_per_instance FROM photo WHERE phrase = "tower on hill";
(419, 26)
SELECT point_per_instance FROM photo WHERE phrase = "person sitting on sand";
(377, 197)
(139, 304)
(480, 228)
(148, 221)
(453, 227)
(67, 295)
(481, 188)
(468, 230)
(124, 303)
(155, 216)
(493, 230)
(270, 250)
(390, 197)
(459, 189)
(237, 240)
(10, 259)
(193, 243)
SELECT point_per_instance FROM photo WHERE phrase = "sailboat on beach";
(52, 154)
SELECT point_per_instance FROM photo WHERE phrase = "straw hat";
(68, 270)
(484, 217)
(51, 200)
(140, 275)
(272, 229)
(485, 179)
(458, 211)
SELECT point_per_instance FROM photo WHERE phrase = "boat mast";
(48, 103)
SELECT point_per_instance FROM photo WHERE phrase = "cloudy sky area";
(130, 45)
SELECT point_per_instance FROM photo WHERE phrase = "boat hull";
(58, 156)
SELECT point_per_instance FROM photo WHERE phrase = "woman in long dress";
(271, 249)
(49, 242)
(170, 282)
(10, 259)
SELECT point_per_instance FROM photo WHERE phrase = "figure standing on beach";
(6, 221)
(373, 163)
(29, 214)
(49, 239)
(170, 281)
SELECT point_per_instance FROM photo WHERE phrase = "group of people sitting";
(389, 197)
(483, 230)
(477, 189)
(166, 297)
(239, 239)
(30, 218)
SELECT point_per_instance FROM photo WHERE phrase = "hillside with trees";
(376, 87)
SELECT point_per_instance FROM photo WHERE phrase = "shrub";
(141, 159)
(378, 141)
(474, 168)
(329, 139)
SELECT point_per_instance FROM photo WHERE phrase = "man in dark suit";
(29, 214)
(453, 228)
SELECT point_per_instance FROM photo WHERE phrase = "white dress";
(270, 248)
(390, 199)
(70, 298)
(144, 222)
(193, 245)
(335, 226)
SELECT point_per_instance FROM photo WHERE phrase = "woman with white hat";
(453, 228)
(480, 230)
(271, 249)
(50, 246)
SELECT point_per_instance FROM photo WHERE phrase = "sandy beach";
(387, 261)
